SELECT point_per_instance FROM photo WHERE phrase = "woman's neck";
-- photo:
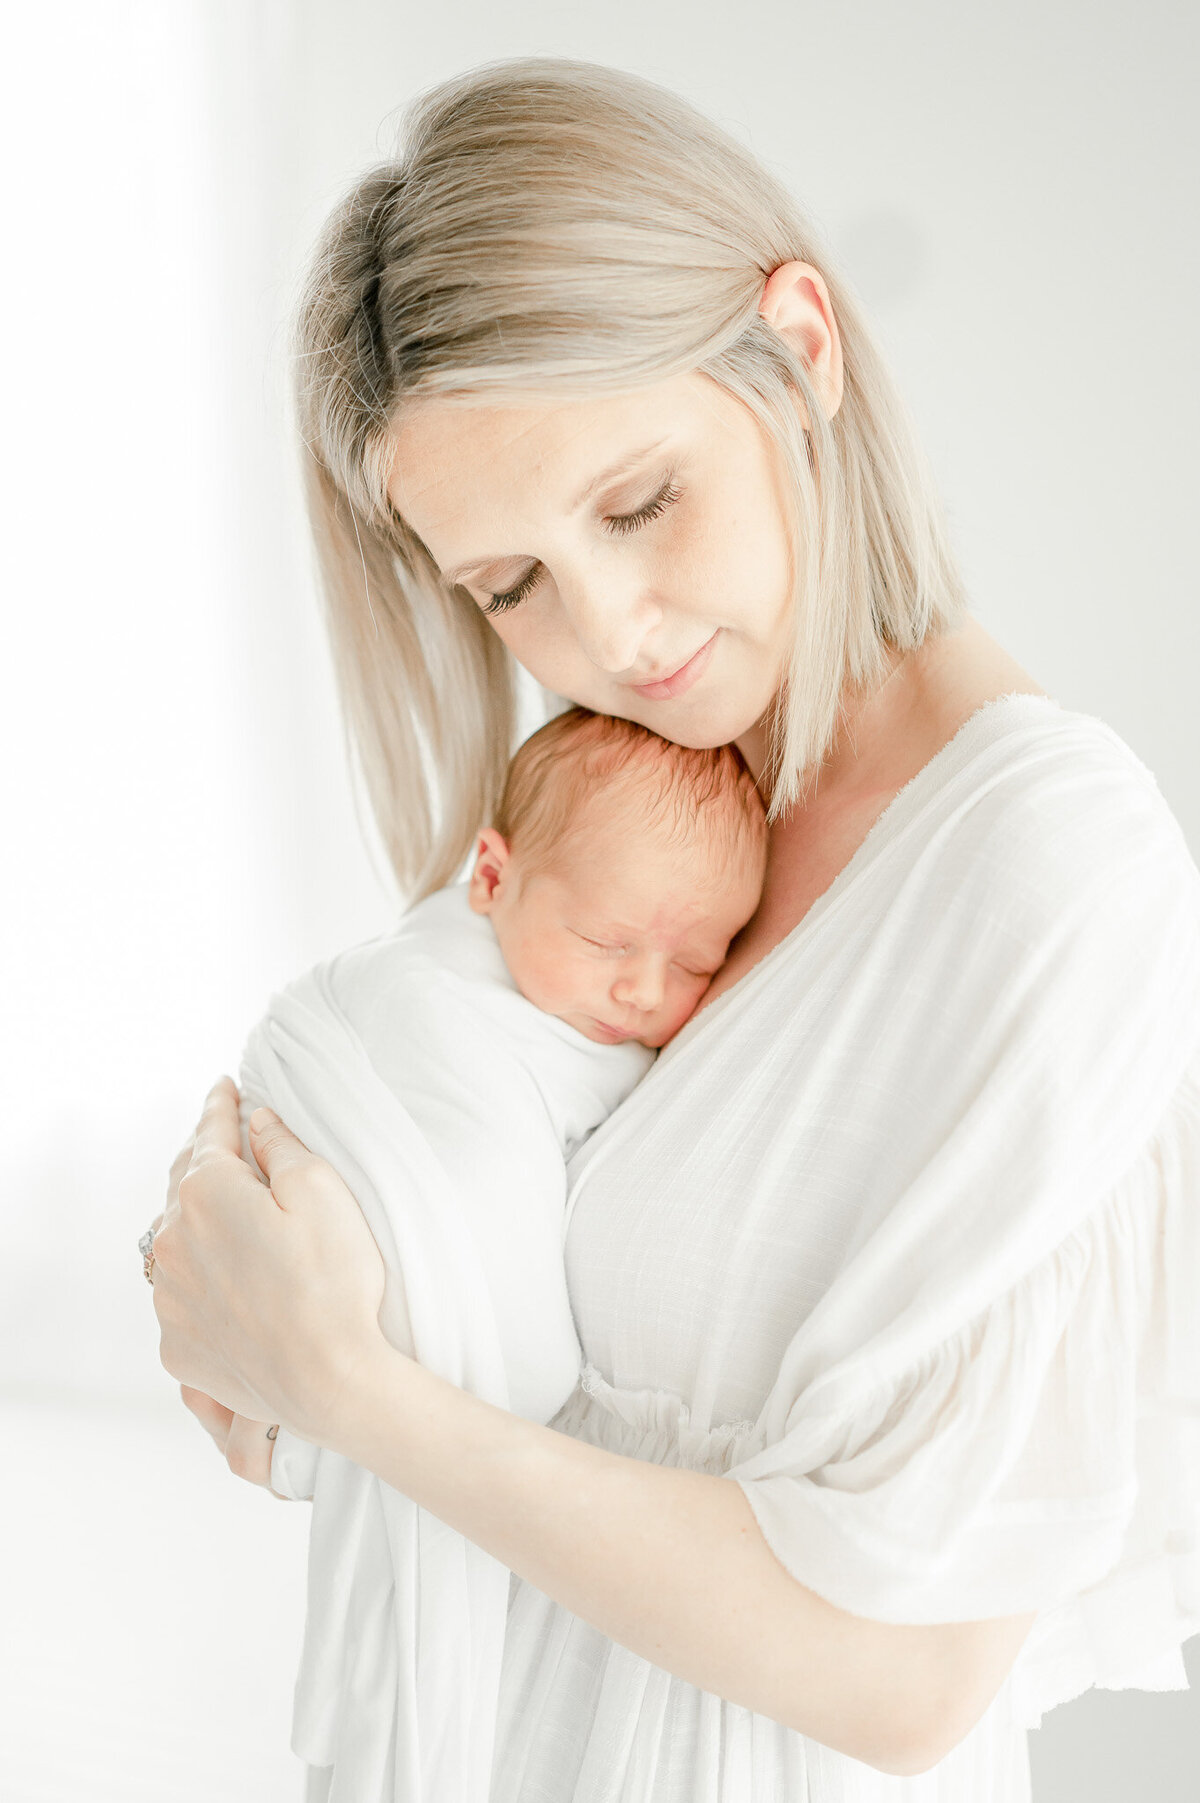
(885, 738)
(904, 720)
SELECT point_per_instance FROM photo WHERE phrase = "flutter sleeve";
(996, 1406)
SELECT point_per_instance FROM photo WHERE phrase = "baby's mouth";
(612, 1033)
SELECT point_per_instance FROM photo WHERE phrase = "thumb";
(275, 1146)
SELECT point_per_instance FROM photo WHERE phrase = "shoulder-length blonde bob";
(553, 229)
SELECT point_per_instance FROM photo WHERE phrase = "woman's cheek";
(545, 647)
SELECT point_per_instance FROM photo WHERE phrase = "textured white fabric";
(902, 1232)
(448, 1103)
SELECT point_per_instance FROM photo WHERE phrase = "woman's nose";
(611, 624)
(640, 985)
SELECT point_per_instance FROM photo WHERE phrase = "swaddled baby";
(447, 1071)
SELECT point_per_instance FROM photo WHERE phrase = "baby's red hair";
(581, 757)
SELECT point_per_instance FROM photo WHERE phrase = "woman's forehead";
(454, 462)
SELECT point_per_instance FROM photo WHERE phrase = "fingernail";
(261, 1119)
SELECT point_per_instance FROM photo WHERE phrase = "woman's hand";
(244, 1445)
(267, 1299)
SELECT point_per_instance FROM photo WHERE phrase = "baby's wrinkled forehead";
(659, 821)
(649, 867)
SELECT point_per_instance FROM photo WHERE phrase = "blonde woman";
(886, 1438)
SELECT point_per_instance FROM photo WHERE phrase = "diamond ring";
(146, 1248)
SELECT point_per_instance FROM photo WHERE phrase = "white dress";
(903, 1233)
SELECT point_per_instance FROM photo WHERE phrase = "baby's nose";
(640, 985)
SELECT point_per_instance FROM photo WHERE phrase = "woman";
(893, 1233)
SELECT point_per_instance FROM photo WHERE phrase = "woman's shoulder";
(1031, 751)
(1037, 798)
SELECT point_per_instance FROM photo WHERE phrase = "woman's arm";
(672, 1564)
(268, 1302)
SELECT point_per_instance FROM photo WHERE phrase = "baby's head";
(618, 870)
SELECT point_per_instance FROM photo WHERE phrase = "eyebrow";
(622, 467)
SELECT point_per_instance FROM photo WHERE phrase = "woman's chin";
(701, 726)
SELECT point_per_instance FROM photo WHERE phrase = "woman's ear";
(796, 302)
(491, 861)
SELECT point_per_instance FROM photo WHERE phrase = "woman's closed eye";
(617, 523)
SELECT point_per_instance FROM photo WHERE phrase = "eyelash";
(601, 947)
(619, 523)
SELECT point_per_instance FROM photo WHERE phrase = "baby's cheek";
(561, 986)
(689, 1003)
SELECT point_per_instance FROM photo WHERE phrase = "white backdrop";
(1013, 192)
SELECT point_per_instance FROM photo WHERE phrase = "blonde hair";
(555, 229)
(692, 796)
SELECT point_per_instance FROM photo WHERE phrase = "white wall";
(1013, 191)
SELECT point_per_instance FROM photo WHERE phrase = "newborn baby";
(447, 1071)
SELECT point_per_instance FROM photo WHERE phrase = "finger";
(213, 1416)
(179, 1165)
(218, 1131)
(275, 1146)
(248, 1451)
(183, 1157)
(277, 1494)
(272, 1436)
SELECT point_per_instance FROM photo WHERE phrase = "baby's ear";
(491, 859)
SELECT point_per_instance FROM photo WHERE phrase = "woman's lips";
(681, 680)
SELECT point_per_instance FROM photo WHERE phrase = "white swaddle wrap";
(448, 1104)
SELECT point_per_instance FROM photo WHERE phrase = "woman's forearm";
(671, 1564)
